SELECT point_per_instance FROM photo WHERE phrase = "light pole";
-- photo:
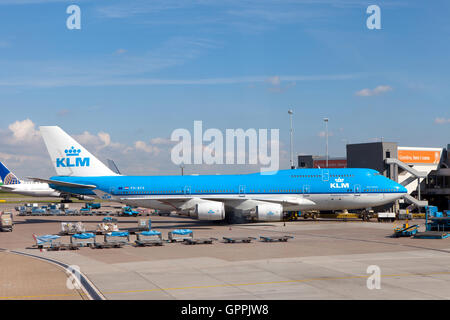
(292, 141)
(182, 169)
(326, 136)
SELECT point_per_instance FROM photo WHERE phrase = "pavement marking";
(275, 282)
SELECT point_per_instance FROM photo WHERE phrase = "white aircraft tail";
(69, 157)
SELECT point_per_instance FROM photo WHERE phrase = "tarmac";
(326, 259)
(25, 278)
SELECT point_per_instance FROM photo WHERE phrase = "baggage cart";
(238, 239)
(86, 239)
(179, 235)
(113, 240)
(6, 221)
(275, 238)
(199, 241)
(149, 238)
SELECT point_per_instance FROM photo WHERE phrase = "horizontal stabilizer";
(64, 184)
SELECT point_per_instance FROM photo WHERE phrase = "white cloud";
(161, 141)
(117, 74)
(99, 141)
(63, 112)
(120, 51)
(143, 146)
(105, 138)
(442, 120)
(24, 152)
(275, 80)
(24, 131)
(85, 138)
(378, 90)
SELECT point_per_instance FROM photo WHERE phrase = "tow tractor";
(129, 211)
(93, 205)
(88, 207)
(292, 215)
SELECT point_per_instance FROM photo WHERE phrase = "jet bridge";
(414, 175)
(414, 201)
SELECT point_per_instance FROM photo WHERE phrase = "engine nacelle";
(269, 212)
(210, 210)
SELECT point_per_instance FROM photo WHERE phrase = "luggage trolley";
(199, 240)
(51, 242)
(180, 235)
(275, 238)
(238, 239)
(149, 238)
(113, 240)
(86, 239)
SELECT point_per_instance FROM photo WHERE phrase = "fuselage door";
(187, 190)
(306, 189)
(325, 175)
(357, 190)
(241, 191)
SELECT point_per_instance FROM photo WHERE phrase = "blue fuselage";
(295, 182)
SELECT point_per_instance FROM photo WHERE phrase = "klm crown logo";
(72, 152)
(339, 184)
(72, 159)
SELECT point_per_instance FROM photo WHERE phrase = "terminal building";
(425, 172)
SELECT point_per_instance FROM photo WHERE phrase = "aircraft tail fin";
(69, 157)
(7, 176)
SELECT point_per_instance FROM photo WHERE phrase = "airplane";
(256, 196)
(35, 189)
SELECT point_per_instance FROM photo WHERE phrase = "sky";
(138, 70)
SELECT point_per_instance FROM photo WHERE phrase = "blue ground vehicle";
(38, 211)
(93, 205)
(87, 209)
(129, 211)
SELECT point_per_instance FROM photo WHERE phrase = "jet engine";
(269, 212)
(210, 210)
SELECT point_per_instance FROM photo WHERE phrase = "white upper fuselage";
(31, 189)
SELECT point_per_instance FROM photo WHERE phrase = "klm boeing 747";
(257, 196)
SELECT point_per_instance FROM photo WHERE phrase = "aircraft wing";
(287, 200)
(183, 201)
(64, 184)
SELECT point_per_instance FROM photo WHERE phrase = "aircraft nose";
(401, 188)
